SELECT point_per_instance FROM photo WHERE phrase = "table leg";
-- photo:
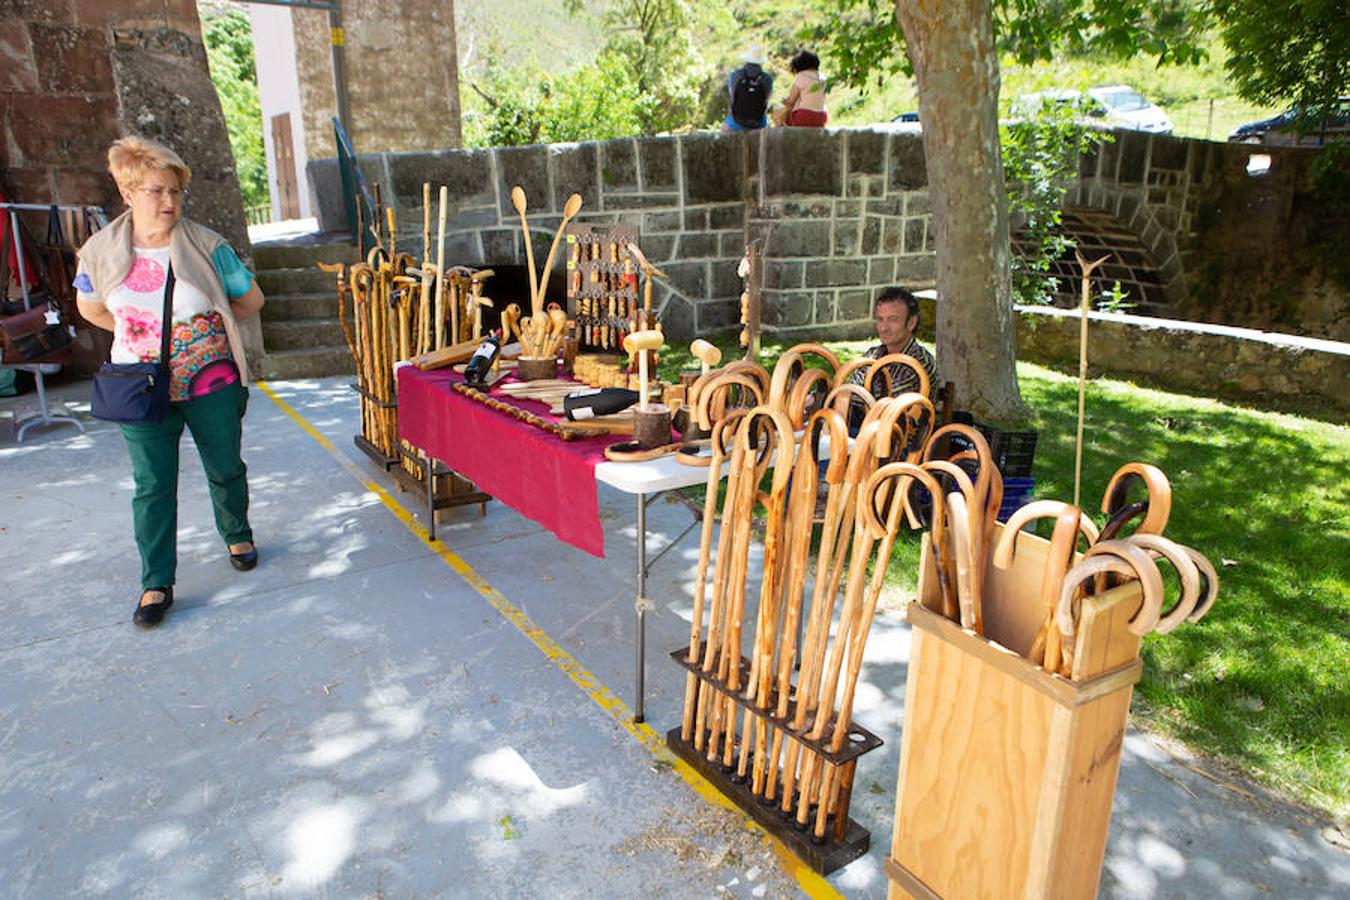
(641, 606)
(431, 496)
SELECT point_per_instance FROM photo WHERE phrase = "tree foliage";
(1040, 154)
(229, 51)
(1296, 52)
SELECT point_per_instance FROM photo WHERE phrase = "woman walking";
(124, 272)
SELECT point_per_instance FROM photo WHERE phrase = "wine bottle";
(475, 371)
(586, 404)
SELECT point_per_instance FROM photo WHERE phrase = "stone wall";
(1231, 246)
(1210, 360)
(75, 76)
(838, 214)
(402, 76)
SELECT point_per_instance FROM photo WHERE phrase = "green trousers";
(216, 422)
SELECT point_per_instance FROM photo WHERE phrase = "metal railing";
(258, 215)
(357, 197)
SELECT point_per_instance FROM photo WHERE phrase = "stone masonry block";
(907, 167)
(718, 315)
(724, 280)
(18, 73)
(835, 272)
(847, 237)
(893, 236)
(467, 175)
(731, 243)
(914, 235)
(689, 278)
(796, 308)
(799, 238)
(918, 204)
(825, 308)
(731, 215)
(618, 165)
(574, 173)
(696, 245)
(871, 236)
(866, 152)
(72, 60)
(639, 201)
(916, 271)
(1133, 149)
(696, 219)
(881, 270)
(656, 158)
(853, 305)
(499, 246)
(661, 221)
(528, 168)
(677, 319)
(807, 209)
(1169, 153)
(847, 209)
(46, 137)
(888, 206)
(801, 161)
(714, 167)
(657, 247)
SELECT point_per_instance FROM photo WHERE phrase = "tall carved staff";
(1087, 268)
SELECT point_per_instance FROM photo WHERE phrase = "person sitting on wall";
(748, 91)
(804, 106)
(896, 314)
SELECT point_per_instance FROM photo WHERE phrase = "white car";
(1115, 106)
(1124, 107)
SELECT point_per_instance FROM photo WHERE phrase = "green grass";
(1262, 683)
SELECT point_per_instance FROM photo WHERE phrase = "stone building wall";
(402, 76)
(838, 214)
(75, 76)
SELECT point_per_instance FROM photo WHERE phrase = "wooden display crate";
(1007, 773)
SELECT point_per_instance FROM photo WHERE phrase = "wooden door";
(284, 151)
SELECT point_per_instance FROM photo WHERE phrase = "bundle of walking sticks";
(401, 310)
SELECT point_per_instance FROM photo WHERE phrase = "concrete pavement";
(367, 714)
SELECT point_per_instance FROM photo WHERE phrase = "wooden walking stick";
(721, 436)
(426, 220)
(1087, 268)
(438, 316)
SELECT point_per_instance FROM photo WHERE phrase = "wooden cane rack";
(603, 281)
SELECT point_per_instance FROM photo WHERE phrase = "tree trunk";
(951, 47)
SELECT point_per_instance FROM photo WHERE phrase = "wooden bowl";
(534, 368)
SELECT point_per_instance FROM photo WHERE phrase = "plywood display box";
(1007, 773)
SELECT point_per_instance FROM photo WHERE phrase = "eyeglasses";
(158, 192)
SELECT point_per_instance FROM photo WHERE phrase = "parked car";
(1124, 107)
(1116, 106)
(1282, 131)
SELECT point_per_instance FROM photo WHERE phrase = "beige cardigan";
(107, 258)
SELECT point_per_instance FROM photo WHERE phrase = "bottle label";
(582, 413)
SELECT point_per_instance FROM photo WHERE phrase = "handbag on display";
(137, 393)
(31, 329)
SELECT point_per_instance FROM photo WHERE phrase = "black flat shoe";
(246, 560)
(149, 615)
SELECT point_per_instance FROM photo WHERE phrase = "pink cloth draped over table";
(539, 475)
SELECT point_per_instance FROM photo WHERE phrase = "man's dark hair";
(804, 61)
(898, 295)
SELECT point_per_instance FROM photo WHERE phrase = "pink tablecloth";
(541, 476)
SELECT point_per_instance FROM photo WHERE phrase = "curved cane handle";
(781, 431)
(1087, 570)
(1036, 509)
(836, 431)
(1159, 495)
(715, 389)
(883, 364)
(785, 372)
(1209, 578)
(1150, 579)
(1187, 573)
(841, 374)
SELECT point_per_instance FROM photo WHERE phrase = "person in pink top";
(804, 105)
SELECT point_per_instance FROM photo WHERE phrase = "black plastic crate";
(1013, 451)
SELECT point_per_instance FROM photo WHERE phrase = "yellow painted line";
(812, 884)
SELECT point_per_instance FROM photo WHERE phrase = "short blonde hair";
(130, 158)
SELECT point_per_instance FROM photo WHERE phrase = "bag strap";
(166, 321)
(4, 254)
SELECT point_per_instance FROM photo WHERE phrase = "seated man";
(896, 312)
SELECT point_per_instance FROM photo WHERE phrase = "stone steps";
(301, 333)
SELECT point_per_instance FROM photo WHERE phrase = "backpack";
(749, 97)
